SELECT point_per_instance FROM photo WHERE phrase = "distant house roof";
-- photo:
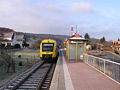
(5, 30)
(116, 43)
(6, 34)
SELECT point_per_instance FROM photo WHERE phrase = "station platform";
(79, 76)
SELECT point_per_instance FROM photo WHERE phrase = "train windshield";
(47, 47)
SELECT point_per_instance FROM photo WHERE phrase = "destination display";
(48, 44)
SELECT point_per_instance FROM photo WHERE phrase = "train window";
(47, 47)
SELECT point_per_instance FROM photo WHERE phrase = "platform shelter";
(75, 47)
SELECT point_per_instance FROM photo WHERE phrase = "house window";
(8, 44)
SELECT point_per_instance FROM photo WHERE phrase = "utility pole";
(76, 29)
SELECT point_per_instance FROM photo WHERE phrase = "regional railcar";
(48, 50)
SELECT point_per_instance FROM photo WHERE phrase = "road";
(112, 56)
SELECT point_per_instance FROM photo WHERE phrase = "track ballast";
(36, 78)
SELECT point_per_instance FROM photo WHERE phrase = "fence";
(109, 68)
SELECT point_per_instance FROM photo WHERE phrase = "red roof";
(77, 36)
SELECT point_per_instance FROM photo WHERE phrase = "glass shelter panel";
(72, 51)
(80, 50)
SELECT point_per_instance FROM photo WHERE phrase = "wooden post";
(68, 50)
(85, 48)
(76, 51)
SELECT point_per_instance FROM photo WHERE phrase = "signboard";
(48, 44)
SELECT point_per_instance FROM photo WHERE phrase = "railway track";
(38, 77)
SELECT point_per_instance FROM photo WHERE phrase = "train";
(49, 50)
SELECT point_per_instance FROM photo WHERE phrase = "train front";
(47, 50)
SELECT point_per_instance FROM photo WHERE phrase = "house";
(1, 37)
(9, 37)
(116, 46)
(20, 39)
(6, 36)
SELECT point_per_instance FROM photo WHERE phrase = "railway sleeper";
(37, 82)
(27, 87)
(29, 84)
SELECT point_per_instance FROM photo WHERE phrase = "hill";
(36, 37)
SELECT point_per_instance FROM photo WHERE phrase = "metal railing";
(109, 68)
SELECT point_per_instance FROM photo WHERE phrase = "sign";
(48, 44)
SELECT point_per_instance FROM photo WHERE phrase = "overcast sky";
(97, 17)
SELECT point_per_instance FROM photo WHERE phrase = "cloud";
(81, 7)
(111, 14)
(25, 17)
(10, 5)
(42, 17)
(50, 8)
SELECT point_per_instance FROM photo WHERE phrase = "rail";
(109, 68)
(36, 74)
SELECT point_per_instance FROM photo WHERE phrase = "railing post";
(104, 66)
(87, 58)
(94, 61)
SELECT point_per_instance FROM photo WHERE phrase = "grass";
(3, 74)
(28, 58)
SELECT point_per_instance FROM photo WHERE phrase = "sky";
(98, 18)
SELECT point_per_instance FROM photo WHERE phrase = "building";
(20, 39)
(1, 37)
(116, 46)
(6, 36)
(75, 47)
(9, 37)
